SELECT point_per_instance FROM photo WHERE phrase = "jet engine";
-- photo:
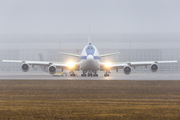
(154, 67)
(127, 70)
(52, 69)
(25, 67)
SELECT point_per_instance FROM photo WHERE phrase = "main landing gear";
(83, 75)
(89, 74)
(72, 73)
(106, 73)
(95, 75)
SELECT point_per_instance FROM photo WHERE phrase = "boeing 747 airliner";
(89, 63)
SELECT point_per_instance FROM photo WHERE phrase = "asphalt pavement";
(113, 76)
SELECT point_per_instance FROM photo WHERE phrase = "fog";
(140, 30)
(104, 16)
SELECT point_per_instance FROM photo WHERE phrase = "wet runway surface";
(113, 76)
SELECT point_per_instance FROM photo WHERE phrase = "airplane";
(90, 63)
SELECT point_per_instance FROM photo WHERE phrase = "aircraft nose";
(90, 57)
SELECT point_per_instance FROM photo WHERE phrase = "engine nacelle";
(127, 70)
(52, 69)
(25, 67)
(154, 67)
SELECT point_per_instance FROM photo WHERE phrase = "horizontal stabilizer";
(70, 54)
(104, 55)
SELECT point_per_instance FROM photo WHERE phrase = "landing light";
(70, 64)
(107, 65)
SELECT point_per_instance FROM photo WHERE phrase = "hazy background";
(141, 30)
(104, 16)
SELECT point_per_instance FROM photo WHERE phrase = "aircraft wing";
(44, 63)
(29, 62)
(133, 64)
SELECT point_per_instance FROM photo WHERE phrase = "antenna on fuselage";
(89, 37)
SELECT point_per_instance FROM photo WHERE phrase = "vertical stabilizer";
(89, 36)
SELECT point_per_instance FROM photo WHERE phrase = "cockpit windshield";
(90, 47)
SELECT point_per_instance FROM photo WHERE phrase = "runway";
(113, 76)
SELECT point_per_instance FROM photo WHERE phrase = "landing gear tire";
(72, 75)
(106, 75)
(83, 75)
(89, 74)
(95, 75)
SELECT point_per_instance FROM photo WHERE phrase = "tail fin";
(89, 36)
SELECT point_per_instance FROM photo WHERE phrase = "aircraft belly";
(90, 64)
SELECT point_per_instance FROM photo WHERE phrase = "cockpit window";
(90, 47)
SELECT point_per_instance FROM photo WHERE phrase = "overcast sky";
(104, 16)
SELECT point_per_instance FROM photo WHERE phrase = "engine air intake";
(154, 67)
(25, 67)
(52, 69)
(127, 70)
